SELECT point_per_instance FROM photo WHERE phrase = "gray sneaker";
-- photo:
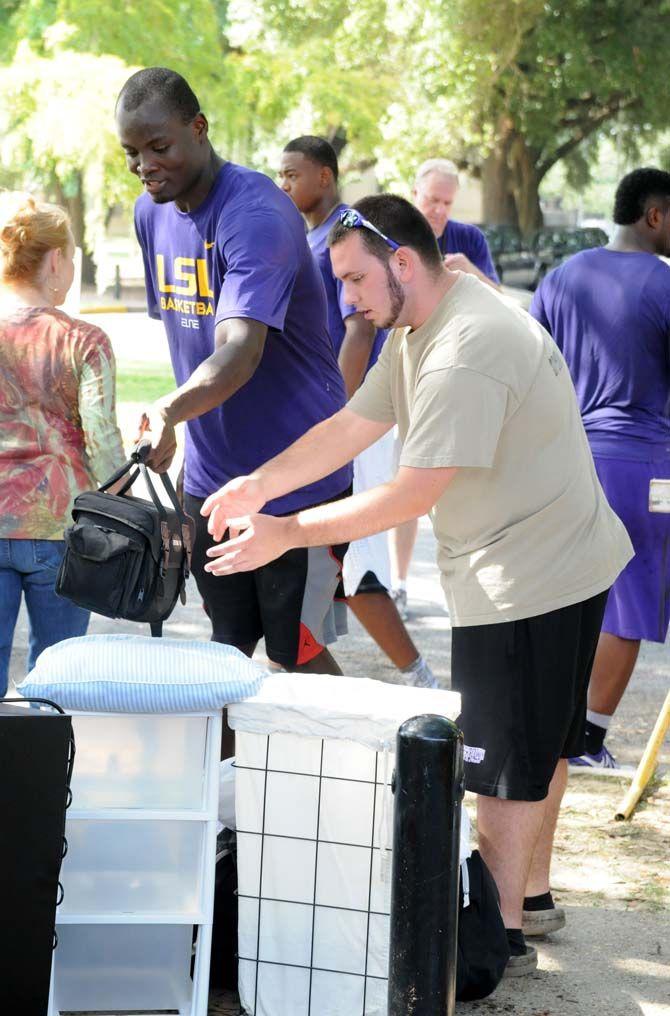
(542, 922)
(526, 963)
(399, 597)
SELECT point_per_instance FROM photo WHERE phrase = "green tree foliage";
(65, 62)
(514, 87)
(57, 126)
(319, 66)
(507, 89)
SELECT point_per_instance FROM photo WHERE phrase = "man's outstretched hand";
(237, 499)
(255, 540)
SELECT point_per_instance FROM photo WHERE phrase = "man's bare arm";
(239, 347)
(262, 538)
(321, 451)
(359, 337)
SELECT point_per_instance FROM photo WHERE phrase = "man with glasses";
(494, 449)
(308, 173)
(229, 273)
(465, 249)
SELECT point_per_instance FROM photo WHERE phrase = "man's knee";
(248, 648)
(323, 663)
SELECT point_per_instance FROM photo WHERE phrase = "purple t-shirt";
(609, 313)
(242, 253)
(462, 238)
(338, 309)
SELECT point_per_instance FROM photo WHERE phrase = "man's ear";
(326, 177)
(200, 127)
(404, 262)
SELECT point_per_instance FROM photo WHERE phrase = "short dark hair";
(170, 88)
(636, 190)
(317, 150)
(398, 219)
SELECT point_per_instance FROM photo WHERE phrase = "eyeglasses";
(354, 220)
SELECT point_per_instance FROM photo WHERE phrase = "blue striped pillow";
(139, 674)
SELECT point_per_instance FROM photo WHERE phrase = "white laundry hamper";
(314, 762)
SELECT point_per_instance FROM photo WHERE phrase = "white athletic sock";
(598, 719)
(401, 584)
(419, 674)
(415, 667)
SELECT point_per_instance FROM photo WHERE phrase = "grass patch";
(653, 895)
(143, 382)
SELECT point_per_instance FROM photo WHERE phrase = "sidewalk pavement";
(131, 298)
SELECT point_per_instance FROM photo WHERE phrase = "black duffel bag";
(483, 947)
(126, 556)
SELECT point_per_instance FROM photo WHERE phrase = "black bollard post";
(426, 836)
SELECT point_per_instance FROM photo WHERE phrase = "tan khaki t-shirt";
(524, 527)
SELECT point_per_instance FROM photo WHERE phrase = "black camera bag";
(126, 556)
(483, 948)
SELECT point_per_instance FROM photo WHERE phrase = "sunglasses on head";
(354, 220)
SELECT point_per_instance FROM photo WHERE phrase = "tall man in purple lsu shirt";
(608, 310)
(229, 273)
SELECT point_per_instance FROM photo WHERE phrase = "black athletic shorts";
(523, 691)
(291, 602)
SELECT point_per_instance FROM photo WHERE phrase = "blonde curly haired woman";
(58, 431)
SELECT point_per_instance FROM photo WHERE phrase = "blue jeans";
(30, 567)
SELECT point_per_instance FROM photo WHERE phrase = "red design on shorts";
(308, 647)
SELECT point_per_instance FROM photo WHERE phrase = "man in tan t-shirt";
(495, 451)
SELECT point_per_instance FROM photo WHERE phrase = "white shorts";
(372, 467)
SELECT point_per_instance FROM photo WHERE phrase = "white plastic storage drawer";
(121, 967)
(137, 761)
(128, 867)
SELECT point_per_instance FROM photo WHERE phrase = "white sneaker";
(399, 597)
(422, 677)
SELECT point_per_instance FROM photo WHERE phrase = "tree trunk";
(525, 182)
(76, 210)
(510, 182)
(338, 139)
(498, 205)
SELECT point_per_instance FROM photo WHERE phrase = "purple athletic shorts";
(638, 606)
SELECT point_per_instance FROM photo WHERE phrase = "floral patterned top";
(58, 431)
